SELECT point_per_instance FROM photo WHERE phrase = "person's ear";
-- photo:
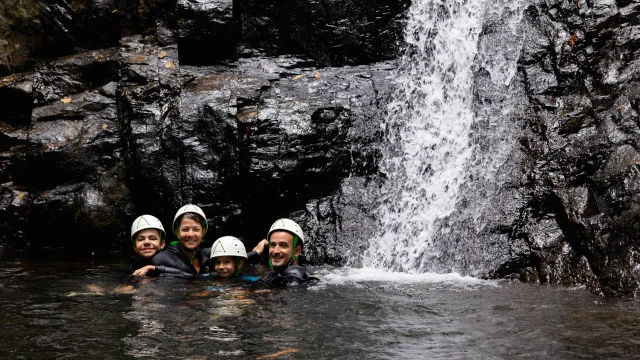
(298, 251)
(161, 244)
(240, 264)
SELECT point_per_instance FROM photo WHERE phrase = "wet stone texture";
(97, 138)
(582, 69)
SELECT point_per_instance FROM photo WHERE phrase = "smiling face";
(281, 248)
(147, 243)
(190, 232)
(225, 266)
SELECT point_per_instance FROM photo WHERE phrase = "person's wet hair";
(192, 216)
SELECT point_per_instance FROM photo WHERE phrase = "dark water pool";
(81, 310)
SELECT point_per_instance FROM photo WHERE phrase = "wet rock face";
(106, 135)
(332, 33)
(32, 30)
(582, 75)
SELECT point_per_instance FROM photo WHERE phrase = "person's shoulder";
(164, 256)
(137, 262)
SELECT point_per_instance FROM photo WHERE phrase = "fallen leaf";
(20, 196)
(98, 57)
(66, 100)
(317, 75)
(7, 80)
(298, 77)
(170, 65)
(114, 11)
(128, 289)
(620, 107)
(573, 40)
(634, 163)
(105, 127)
(279, 353)
(96, 288)
(104, 173)
(162, 54)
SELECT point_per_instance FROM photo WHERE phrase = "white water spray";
(432, 153)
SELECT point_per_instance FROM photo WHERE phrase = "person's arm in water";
(254, 257)
(165, 270)
(148, 269)
(151, 269)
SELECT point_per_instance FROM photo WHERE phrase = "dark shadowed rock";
(333, 33)
(207, 31)
(582, 78)
(32, 30)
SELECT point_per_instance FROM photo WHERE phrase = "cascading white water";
(432, 159)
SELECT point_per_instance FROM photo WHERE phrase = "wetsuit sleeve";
(166, 270)
(253, 258)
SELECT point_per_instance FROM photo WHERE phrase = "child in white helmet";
(228, 256)
(147, 236)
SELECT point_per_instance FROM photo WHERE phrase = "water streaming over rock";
(451, 129)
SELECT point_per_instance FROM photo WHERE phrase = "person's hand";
(260, 247)
(144, 270)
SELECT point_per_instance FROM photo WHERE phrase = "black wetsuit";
(209, 266)
(137, 262)
(172, 261)
(293, 275)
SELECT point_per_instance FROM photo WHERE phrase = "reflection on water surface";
(80, 310)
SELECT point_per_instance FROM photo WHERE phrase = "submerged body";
(291, 276)
(173, 261)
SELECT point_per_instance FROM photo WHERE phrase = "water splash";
(432, 153)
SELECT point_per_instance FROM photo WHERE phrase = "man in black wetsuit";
(285, 240)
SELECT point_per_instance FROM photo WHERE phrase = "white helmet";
(147, 222)
(190, 208)
(228, 246)
(287, 225)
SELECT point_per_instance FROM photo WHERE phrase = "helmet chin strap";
(293, 257)
(238, 269)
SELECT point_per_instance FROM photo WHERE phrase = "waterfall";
(444, 146)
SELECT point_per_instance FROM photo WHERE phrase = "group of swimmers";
(225, 258)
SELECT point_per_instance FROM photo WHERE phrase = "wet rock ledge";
(251, 109)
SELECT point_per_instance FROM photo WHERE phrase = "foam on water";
(367, 275)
